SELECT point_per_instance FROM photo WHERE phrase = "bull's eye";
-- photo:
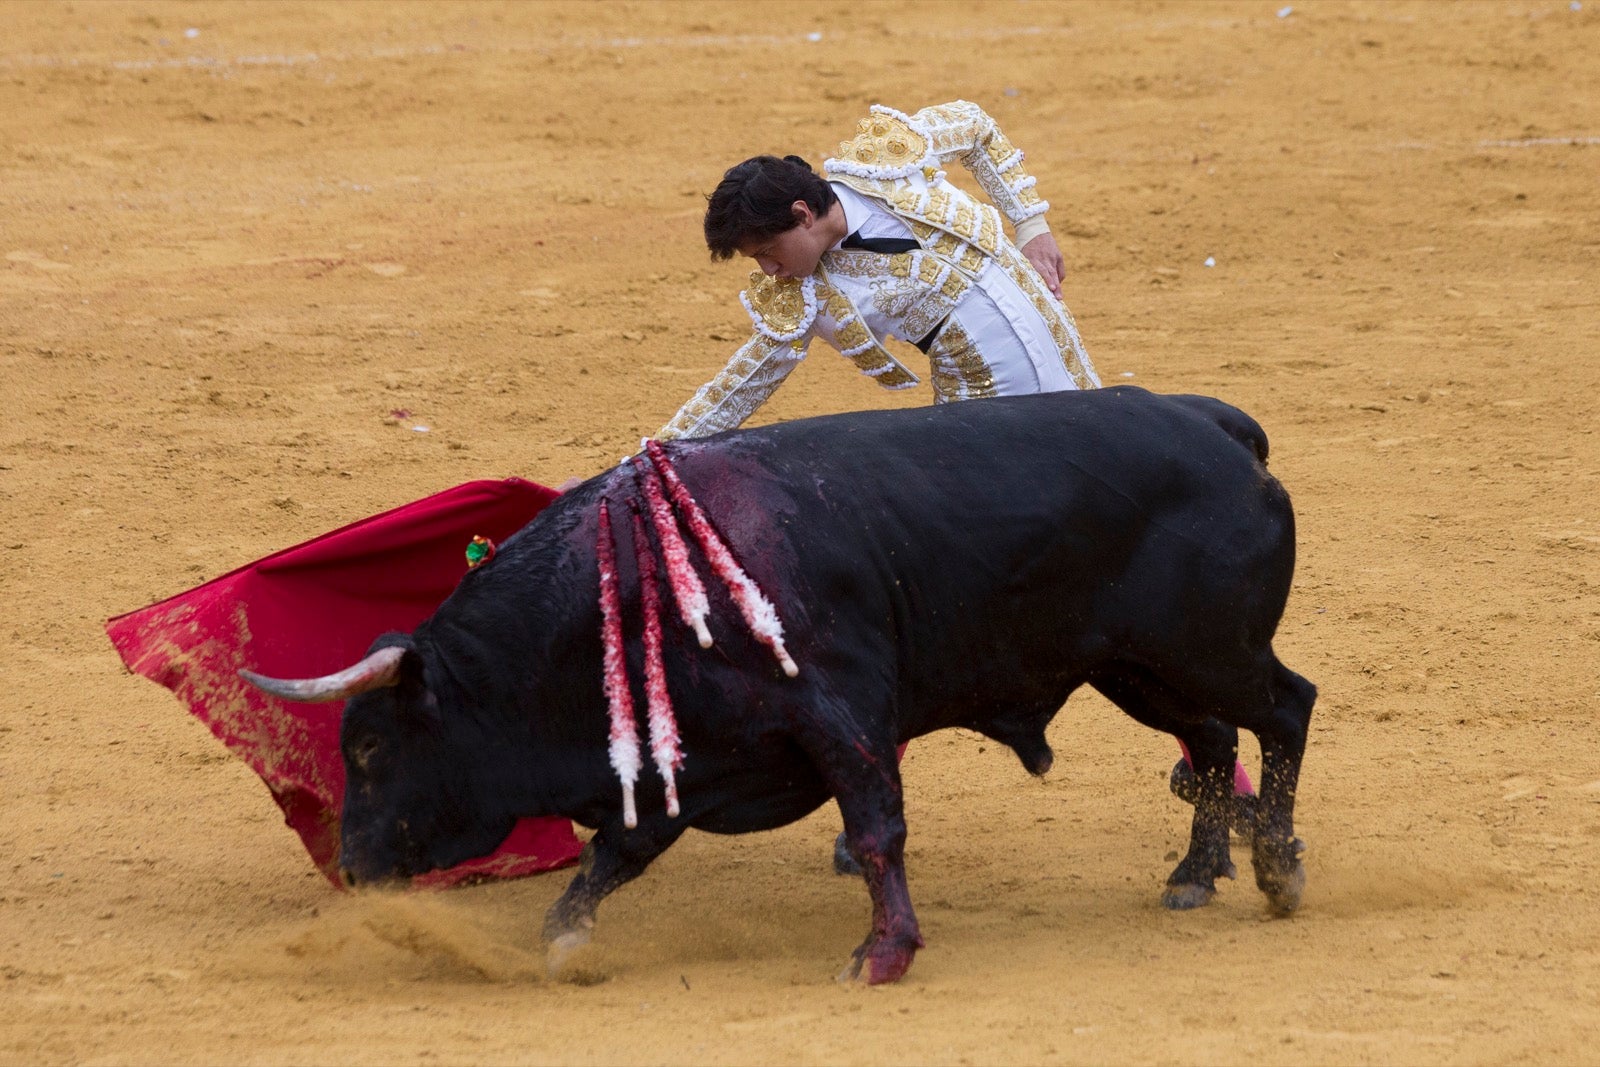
(363, 752)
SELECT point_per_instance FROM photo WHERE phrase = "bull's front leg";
(611, 859)
(875, 831)
(853, 750)
(850, 740)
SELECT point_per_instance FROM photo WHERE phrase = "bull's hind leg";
(1265, 697)
(612, 858)
(1213, 748)
(1275, 853)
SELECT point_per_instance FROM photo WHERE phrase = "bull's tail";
(1233, 422)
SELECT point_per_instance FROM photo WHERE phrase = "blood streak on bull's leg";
(663, 727)
(686, 587)
(759, 613)
(624, 728)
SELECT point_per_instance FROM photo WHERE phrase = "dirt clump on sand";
(270, 268)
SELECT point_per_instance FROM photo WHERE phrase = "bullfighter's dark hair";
(753, 200)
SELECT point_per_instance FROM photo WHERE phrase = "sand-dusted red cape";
(311, 610)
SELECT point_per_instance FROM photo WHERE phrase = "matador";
(918, 259)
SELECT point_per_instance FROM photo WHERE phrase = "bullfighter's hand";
(1045, 255)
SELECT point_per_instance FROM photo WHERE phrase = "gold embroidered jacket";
(895, 159)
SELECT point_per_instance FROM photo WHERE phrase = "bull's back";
(996, 476)
(996, 545)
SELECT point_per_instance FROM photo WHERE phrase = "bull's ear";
(410, 670)
(415, 697)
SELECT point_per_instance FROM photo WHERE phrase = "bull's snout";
(362, 872)
(350, 879)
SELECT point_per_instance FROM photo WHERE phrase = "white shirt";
(867, 217)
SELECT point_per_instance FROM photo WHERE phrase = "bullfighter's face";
(795, 252)
(410, 802)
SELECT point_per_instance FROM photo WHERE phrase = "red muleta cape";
(311, 610)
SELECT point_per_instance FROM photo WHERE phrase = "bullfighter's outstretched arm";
(783, 312)
(751, 376)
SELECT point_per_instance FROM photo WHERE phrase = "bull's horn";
(379, 669)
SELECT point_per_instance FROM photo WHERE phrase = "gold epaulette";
(781, 308)
(884, 142)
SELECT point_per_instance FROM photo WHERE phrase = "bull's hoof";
(1035, 754)
(880, 960)
(559, 949)
(1284, 890)
(1186, 897)
(1281, 875)
(1193, 882)
(843, 862)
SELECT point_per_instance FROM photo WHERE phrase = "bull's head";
(413, 795)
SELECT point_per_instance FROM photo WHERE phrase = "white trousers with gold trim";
(1008, 336)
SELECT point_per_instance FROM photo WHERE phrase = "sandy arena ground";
(235, 237)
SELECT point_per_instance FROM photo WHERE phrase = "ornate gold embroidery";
(988, 234)
(966, 217)
(968, 260)
(856, 343)
(750, 377)
(959, 369)
(904, 199)
(917, 291)
(871, 264)
(884, 141)
(897, 377)
(947, 125)
(780, 302)
(930, 313)
(853, 334)
(974, 223)
(999, 149)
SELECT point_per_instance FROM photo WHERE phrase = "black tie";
(887, 245)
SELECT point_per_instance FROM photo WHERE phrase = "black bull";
(967, 565)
